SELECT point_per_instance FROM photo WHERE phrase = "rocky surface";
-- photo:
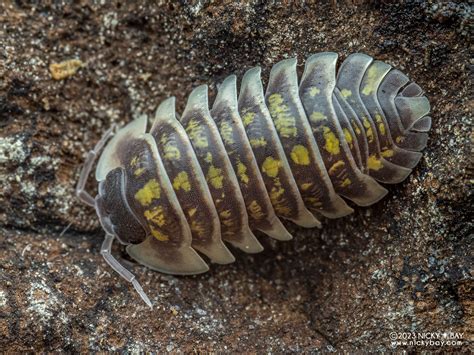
(403, 265)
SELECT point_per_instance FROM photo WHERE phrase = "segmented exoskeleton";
(295, 152)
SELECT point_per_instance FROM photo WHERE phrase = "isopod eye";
(113, 204)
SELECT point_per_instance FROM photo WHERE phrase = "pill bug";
(297, 152)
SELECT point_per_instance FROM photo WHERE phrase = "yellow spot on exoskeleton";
(196, 133)
(300, 155)
(192, 212)
(317, 116)
(198, 227)
(346, 182)
(271, 166)
(275, 194)
(356, 128)
(314, 91)
(373, 163)
(381, 125)
(278, 201)
(208, 158)
(370, 134)
(336, 166)
(225, 214)
(181, 181)
(226, 219)
(331, 142)
(283, 210)
(171, 152)
(305, 186)
(159, 235)
(382, 129)
(242, 172)
(255, 210)
(399, 139)
(227, 133)
(258, 142)
(214, 177)
(284, 121)
(139, 172)
(346, 93)
(313, 202)
(156, 215)
(148, 193)
(248, 118)
(365, 122)
(387, 153)
(134, 161)
(347, 136)
(370, 82)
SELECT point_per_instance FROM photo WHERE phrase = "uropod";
(297, 151)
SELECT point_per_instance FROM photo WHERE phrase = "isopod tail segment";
(84, 196)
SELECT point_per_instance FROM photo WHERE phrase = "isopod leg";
(105, 250)
(81, 193)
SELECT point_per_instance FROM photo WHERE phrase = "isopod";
(296, 152)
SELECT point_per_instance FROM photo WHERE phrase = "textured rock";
(402, 265)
